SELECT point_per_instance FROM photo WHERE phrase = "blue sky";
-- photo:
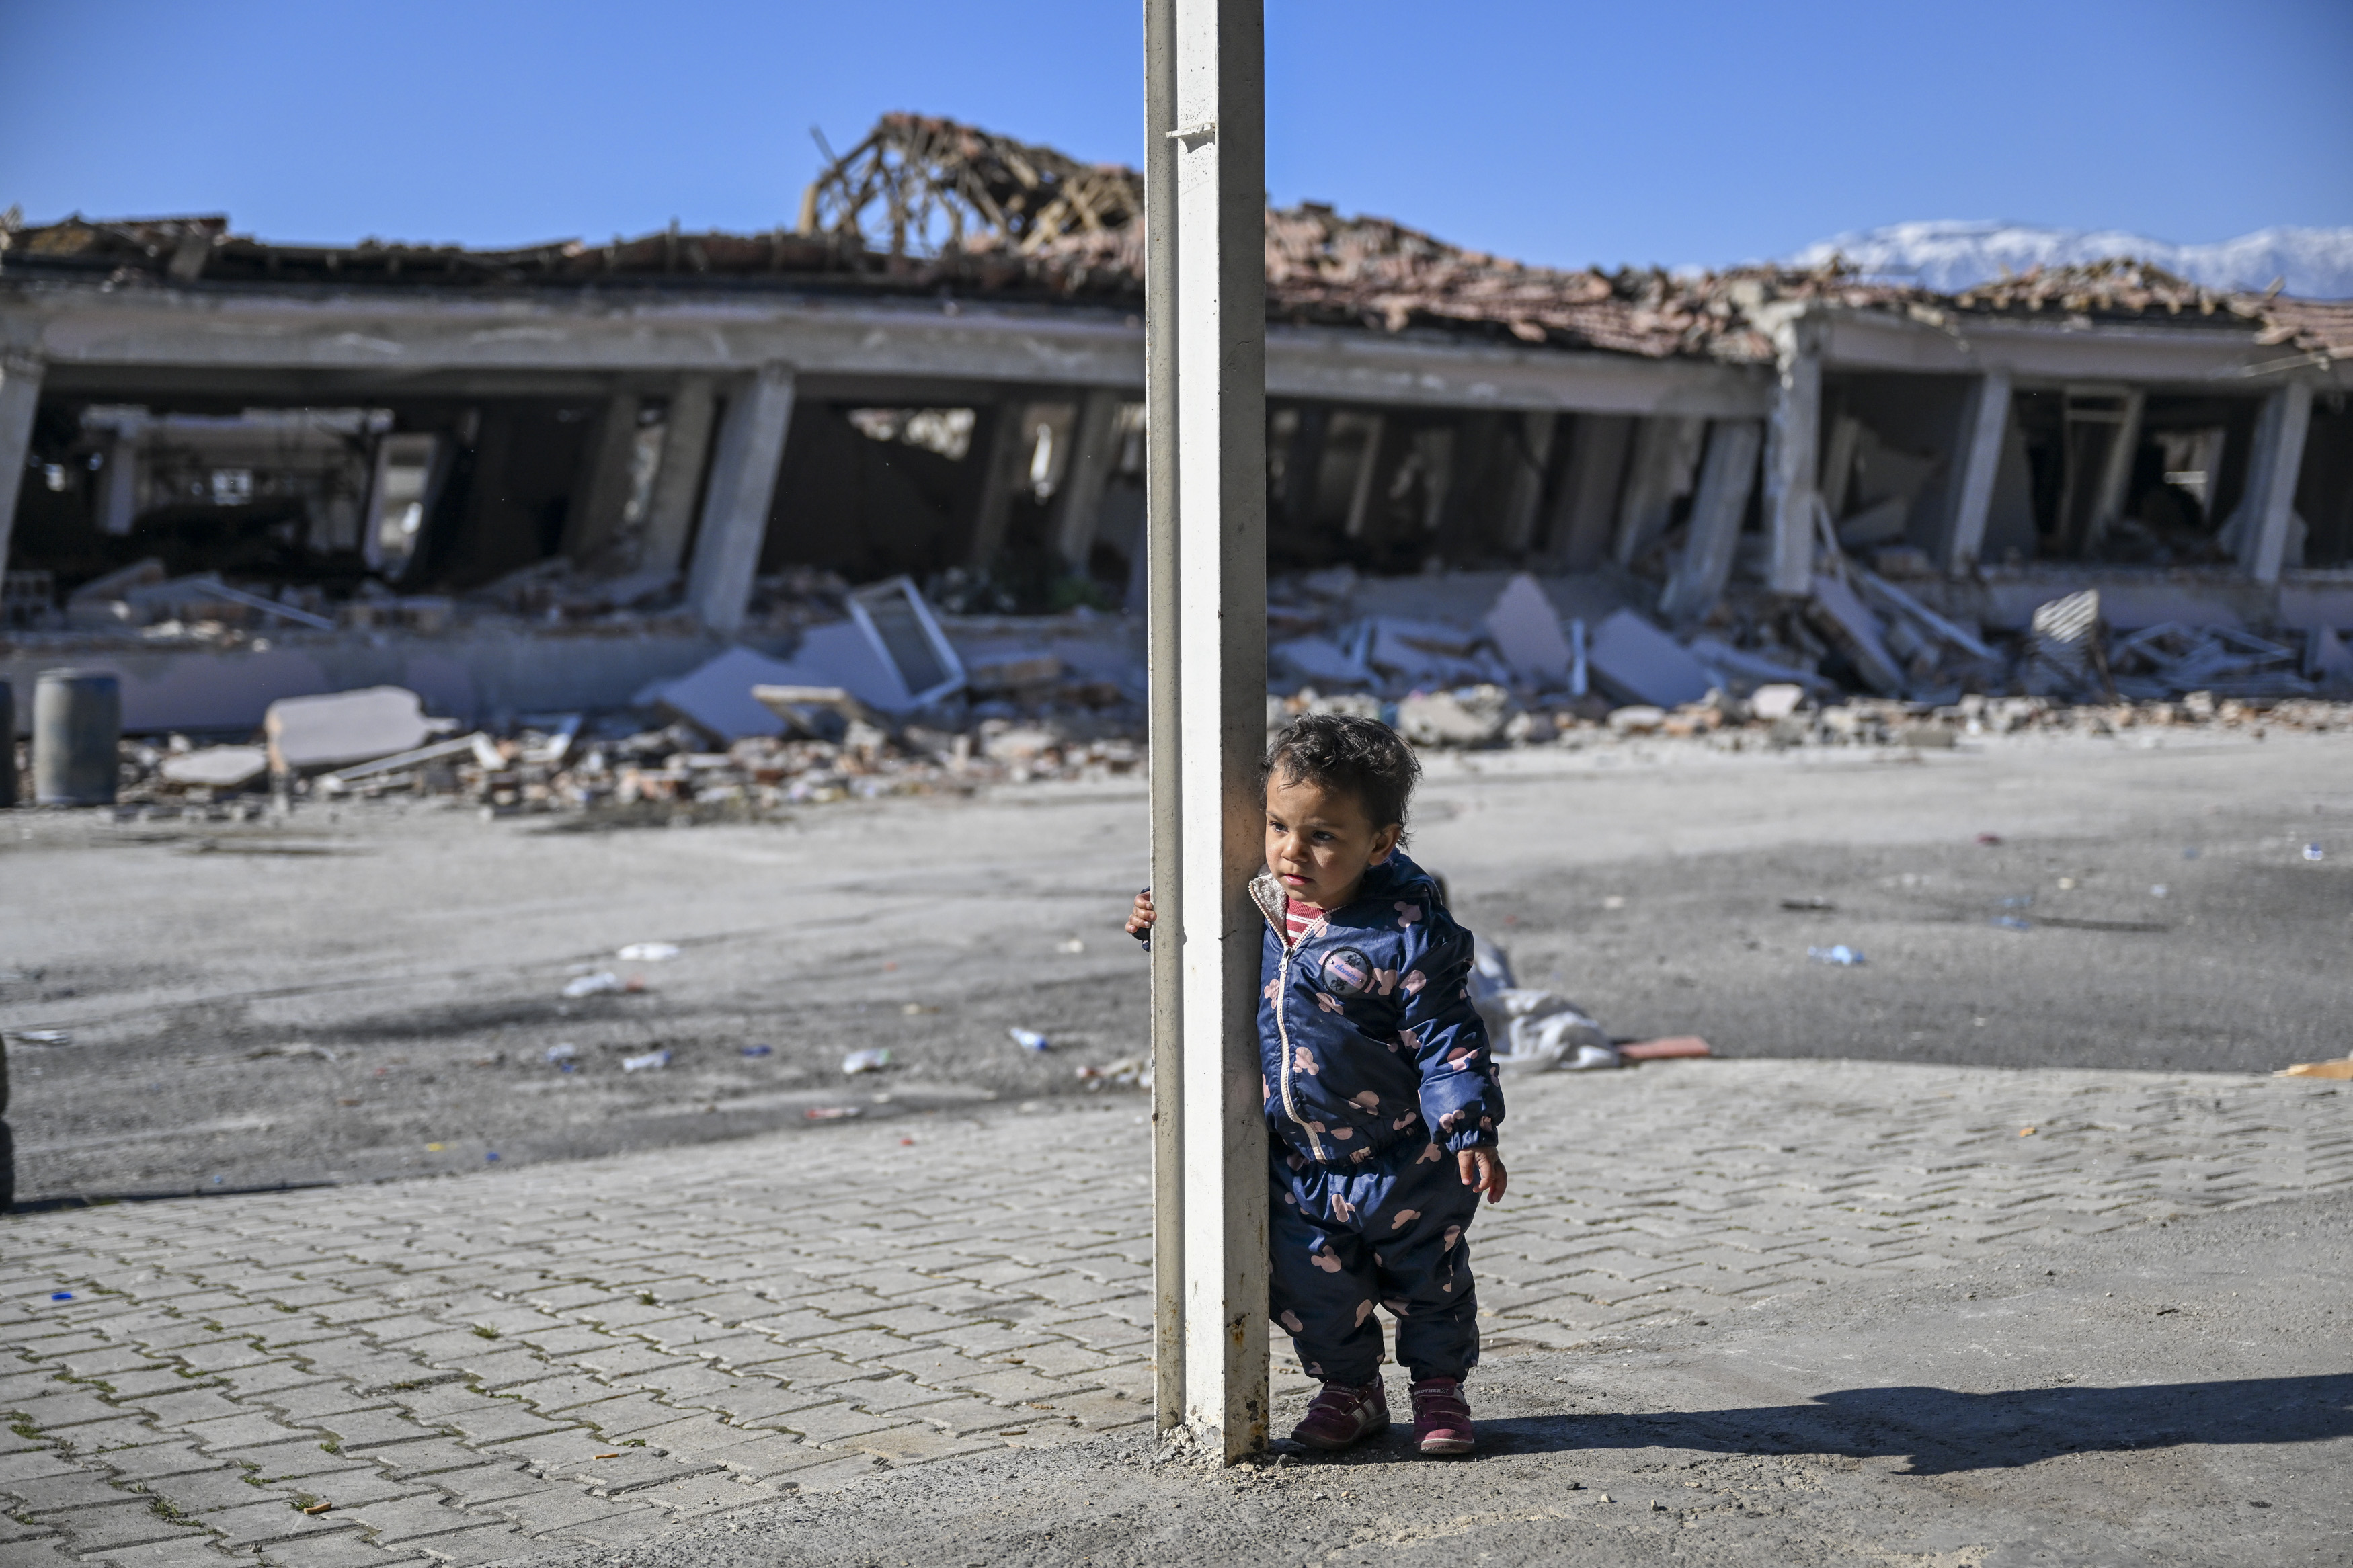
(1555, 133)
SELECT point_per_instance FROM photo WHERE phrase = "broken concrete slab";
(1319, 659)
(1640, 663)
(716, 697)
(310, 733)
(1857, 631)
(1525, 629)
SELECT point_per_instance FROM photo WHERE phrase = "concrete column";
(1094, 449)
(1219, 132)
(1666, 451)
(2276, 461)
(1368, 474)
(20, 395)
(1792, 460)
(735, 505)
(1724, 481)
(1585, 512)
(2109, 501)
(686, 443)
(1530, 456)
(1008, 466)
(602, 488)
(1973, 476)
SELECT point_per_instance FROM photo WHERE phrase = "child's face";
(1319, 842)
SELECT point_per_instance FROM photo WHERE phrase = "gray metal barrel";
(77, 726)
(8, 745)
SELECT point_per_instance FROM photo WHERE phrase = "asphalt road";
(373, 991)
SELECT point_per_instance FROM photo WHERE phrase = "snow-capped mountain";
(2316, 262)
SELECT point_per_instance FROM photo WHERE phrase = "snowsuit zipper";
(1282, 1026)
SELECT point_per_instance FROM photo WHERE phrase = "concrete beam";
(1094, 449)
(1792, 459)
(1725, 478)
(390, 343)
(20, 396)
(686, 447)
(2053, 351)
(1973, 476)
(1369, 473)
(1220, 128)
(2276, 463)
(735, 505)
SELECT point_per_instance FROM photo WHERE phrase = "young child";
(1379, 1090)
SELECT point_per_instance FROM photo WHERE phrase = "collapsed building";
(537, 481)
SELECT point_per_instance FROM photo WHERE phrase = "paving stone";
(98, 1527)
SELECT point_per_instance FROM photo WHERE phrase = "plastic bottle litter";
(856, 1062)
(60, 1295)
(1841, 955)
(595, 985)
(759, 1050)
(648, 953)
(2012, 922)
(1030, 1040)
(1076, 944)
(650, 1059)
(2313, 852)
(562, 1053)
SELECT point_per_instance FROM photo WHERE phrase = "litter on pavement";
(856, 1062)
(1030, 1040)
(649, 1060)
(1841, 955)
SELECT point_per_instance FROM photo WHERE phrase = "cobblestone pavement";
(463, 1371)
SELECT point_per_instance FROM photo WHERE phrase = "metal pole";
(1160, 568)
(1220, 469)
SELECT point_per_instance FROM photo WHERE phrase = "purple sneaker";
(1341, 1416)
(1441, 1421)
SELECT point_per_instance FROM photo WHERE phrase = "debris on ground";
(648, 953)
(2335, 1069)
(1031, 1039)
(865, 1061)
(1667, 1050)
(1841, 955)
(651, 1059)
(597, 984)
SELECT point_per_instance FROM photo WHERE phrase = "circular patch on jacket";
(1347, 971)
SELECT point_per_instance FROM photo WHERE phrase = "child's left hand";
(1483, 1171)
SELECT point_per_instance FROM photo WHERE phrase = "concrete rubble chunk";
(1640, 663)
(1525, 629)
(310, 733)
(219, 767)
(1470, 716)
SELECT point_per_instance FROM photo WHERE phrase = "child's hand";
(1140, 918)
(1483, 1171)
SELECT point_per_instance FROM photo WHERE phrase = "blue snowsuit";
(1376, 1074)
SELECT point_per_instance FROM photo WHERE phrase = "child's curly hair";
(1363, 757)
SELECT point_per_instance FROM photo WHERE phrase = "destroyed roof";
(923, 204)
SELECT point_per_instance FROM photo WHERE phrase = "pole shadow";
(1941, 1431)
